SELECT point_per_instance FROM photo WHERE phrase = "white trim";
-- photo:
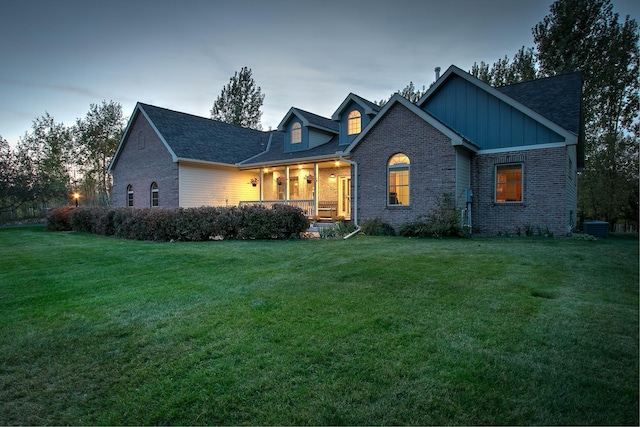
(352, 97)
(164, 141)
(523, 148)
(570, 137)
(397, 98)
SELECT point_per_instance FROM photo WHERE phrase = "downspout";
(354, 205)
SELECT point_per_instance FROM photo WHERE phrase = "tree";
(504, 72)
(586, 35)
(48, 148)
(96, 139)
(240, 101)
(409, 92)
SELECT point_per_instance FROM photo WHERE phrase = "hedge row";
(183, 224)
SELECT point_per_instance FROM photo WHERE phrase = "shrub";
(377, 227)
(441, 222)
(191, 224)
(58, 219)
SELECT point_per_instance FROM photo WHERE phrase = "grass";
(373, 331)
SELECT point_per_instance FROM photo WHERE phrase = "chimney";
(437, 70)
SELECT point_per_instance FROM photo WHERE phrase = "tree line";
(587, 35)
(52, 161)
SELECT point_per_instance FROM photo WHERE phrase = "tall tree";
(240, 101)
(410, 92)
(505, 72)
(587, 35)
(96, 138)
(48, 147)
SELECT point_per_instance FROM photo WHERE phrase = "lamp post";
(76, 196)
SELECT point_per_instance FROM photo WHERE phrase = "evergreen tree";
(240, 101)
(586, 35)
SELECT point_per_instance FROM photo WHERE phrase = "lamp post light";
(76, 196)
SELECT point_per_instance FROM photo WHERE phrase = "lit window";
(154, 195)
(130, 196)
(508, 183)
(398, 172)
(296, 133)
(354, 122)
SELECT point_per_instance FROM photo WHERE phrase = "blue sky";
(61, 56)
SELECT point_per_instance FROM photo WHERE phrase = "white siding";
(463, 176)
(215, 186)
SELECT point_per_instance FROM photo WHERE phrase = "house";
(508, 157)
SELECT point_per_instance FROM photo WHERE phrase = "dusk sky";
(60, 56)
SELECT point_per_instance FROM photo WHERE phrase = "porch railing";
(307, 206)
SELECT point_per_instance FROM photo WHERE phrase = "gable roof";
(456, 138)
(310, 120)
(570, 136)
(370, 108)
(276, 154)
(557, 98)
(195, 138)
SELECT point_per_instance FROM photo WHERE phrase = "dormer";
(304, 130)
(353, 115)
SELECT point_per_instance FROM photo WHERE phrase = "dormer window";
(354, 123)
(296, 133)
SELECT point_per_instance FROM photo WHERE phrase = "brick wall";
(544, 199)
(144, 159)
(432, 171)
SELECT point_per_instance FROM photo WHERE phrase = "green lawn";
(370, 330)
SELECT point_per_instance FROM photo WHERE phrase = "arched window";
(296, 133)
(398, 178)
(154, 194)
(354, 123)
(130, 195)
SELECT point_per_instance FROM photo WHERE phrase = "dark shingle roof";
(557, 98)
(277, 154)
(199, 138)
(375, 107)
(316, 120)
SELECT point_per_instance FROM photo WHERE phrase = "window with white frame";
(296, 133)
(509, 183)
(130, 195)
(354, 122)
(154, 195)
(398, 179)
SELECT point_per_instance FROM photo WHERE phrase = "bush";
(377, 227)
(58, 219)
(443, 221)
(191, 224)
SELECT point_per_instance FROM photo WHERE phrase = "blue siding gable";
(346, 139)
(303, 145)
(484, 119)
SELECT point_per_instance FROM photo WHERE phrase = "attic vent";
(519, 158)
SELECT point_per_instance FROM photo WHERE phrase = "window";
(296, 133)
(354, 122)
(398, 173)
(154, 195)
(508, 183)
(130, 196)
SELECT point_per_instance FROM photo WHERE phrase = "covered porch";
(321, 189)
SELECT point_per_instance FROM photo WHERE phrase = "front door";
(344, 196)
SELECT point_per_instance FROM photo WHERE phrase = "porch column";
(261, 184)
(316, 188)
(286, 183)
